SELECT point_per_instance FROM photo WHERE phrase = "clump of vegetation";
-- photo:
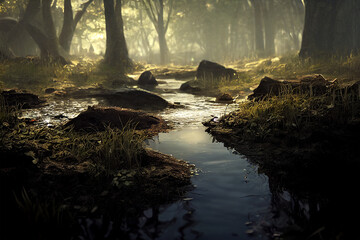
(110, 150)
(120, 148)
(294, 112)
(242, 82)
(290, 66)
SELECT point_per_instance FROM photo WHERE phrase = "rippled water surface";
(196, 108)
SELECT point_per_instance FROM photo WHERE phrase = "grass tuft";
(110, 150)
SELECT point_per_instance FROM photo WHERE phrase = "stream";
(230, 199)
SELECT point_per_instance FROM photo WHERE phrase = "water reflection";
(232, 200)
(229, 192)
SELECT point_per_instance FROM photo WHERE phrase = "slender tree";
(155, 11)
(259, 28)
(269, 27)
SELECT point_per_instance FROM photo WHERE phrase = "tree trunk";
(49, 28)
(331, 27)
(259, 34)
(269, 29)
(164, 50)
(116, 51)
(70, 23)
(67, 31)
(123, 47)
(320, 17)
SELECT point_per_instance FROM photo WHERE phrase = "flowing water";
(230, 200)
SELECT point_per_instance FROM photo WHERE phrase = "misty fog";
(222, 31)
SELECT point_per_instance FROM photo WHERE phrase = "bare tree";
(155, 11)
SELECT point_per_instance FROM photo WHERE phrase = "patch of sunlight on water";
(58, 111)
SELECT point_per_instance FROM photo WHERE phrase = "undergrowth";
(107, 152)
(294, 112)
(291, 66)
(110, 150)
(35, 75)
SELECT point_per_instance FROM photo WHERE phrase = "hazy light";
(209, 6)
(97, 36)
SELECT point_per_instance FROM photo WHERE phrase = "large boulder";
(98, 118)
(212, 70)
(147, 78)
